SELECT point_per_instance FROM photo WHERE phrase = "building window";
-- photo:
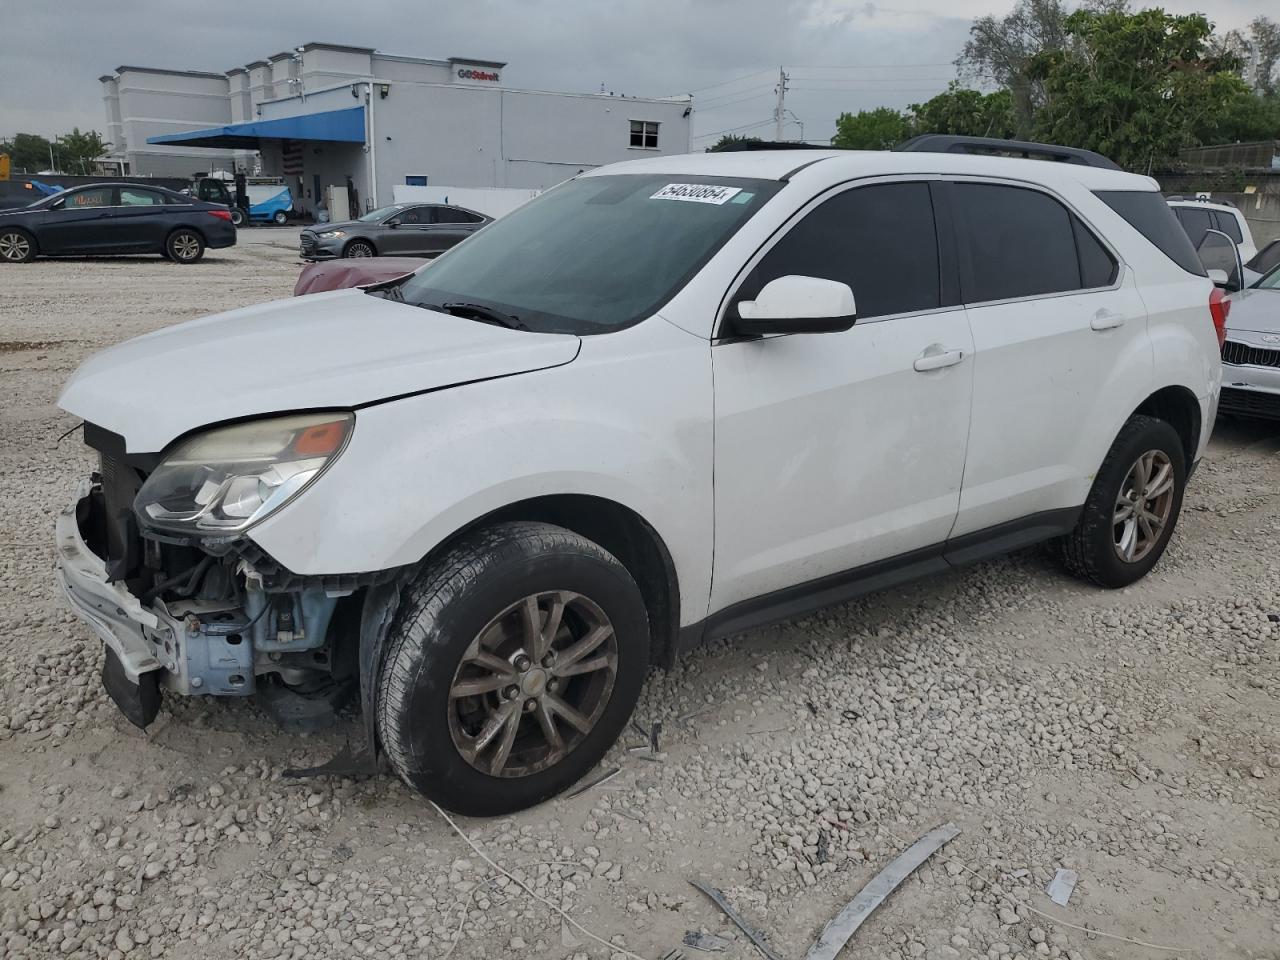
(644, 133)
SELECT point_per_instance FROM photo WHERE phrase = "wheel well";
(626, 535)
(365, 240)
(1179, 408)
(186, 226)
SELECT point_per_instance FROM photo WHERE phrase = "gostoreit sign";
(474, 73)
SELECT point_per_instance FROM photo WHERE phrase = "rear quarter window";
(1228, 224)
(1148, 213)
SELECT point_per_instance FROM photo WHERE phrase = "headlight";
(225, 480)
(330, 234)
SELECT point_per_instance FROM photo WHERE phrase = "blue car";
(112, 218)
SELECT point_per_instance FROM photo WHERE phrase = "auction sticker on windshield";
(696, 193)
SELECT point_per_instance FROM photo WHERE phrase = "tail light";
(220, 214)
(1219, 307)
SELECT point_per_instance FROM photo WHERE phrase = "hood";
(341, 349)
(1255, 311)
(338, 225)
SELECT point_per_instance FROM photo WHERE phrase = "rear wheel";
(1133, 506)
(16, 245)
(514, 662)
(184, 246)
(359, 248)
(280, 217)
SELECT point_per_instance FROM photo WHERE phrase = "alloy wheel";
(1143, 506)
(14, 247)
(185, 246)
(532, 684)
(359, 250)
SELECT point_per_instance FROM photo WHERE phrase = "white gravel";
(1130, 736)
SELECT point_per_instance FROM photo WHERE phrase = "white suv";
(1198, 216)
(669, 400)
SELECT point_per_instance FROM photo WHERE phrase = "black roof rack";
(1222, 202)
(946, 143)
(746, 146)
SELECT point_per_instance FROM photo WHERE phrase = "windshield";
(373, 216)
(1270, 282)
(594, 254)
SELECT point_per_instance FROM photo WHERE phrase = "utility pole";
(779, 111)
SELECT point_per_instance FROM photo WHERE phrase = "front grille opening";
(1244, 355)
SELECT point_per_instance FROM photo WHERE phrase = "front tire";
(238, 217)
(514, 662)
(359, 248)
(16, 246)
(184, 246)
(1132, 508)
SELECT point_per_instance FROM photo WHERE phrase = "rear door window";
(132, 197)
(881, 240)
(1017, 243)
(1196, 222)
(453, 215)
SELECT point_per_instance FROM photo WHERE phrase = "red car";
(355, 272)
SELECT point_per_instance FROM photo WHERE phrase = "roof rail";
(947, 143)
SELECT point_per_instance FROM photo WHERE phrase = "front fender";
(629, 421)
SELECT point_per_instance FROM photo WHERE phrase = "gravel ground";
(1130, 736)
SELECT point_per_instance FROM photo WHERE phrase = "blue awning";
(340, 126)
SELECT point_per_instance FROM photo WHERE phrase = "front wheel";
(1133, 506)
(184, 246)
(359, 248)
(513, 664)
(238, 216)
(17, 246)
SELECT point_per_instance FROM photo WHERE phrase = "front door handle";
(937, 359)
(1106, 320)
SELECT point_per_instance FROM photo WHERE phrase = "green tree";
(877, 129)
(1135, 87)
(966, 113)
(28, 152)
(76, 151)
(1264, 55)
(1001, 51)
(729, 141)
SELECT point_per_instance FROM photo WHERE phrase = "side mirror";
(796, 304)
(58, 204)
(1220, 256)
(393, 222)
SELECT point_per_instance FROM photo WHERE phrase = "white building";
(332, 115)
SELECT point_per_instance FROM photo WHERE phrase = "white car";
(1251, 353)
(666, 401)
(1198, 216)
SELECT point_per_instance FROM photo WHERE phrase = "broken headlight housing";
(223, 481)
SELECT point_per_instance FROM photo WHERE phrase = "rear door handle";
(936, 361)
(1106, 320)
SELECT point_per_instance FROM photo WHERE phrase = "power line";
(745, 126)
(754, 96)
(734, 93)
(725, 83)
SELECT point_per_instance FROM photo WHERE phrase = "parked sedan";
(1251, 351)
(108, 218)
(400, 230)
(342, 274)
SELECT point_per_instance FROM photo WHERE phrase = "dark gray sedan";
(400, 230)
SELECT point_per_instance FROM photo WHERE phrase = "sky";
(841, 55)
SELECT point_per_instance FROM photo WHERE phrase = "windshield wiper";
(392, 292)
(480, 312)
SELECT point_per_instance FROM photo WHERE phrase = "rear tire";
(184, 246)
(1132, 508)
(16, 245)
(359, 248)
(280, 217)
(472, 652)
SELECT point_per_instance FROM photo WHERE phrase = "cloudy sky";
(840, 54)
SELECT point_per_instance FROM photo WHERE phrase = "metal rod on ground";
(754, 935)
(837, 933)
